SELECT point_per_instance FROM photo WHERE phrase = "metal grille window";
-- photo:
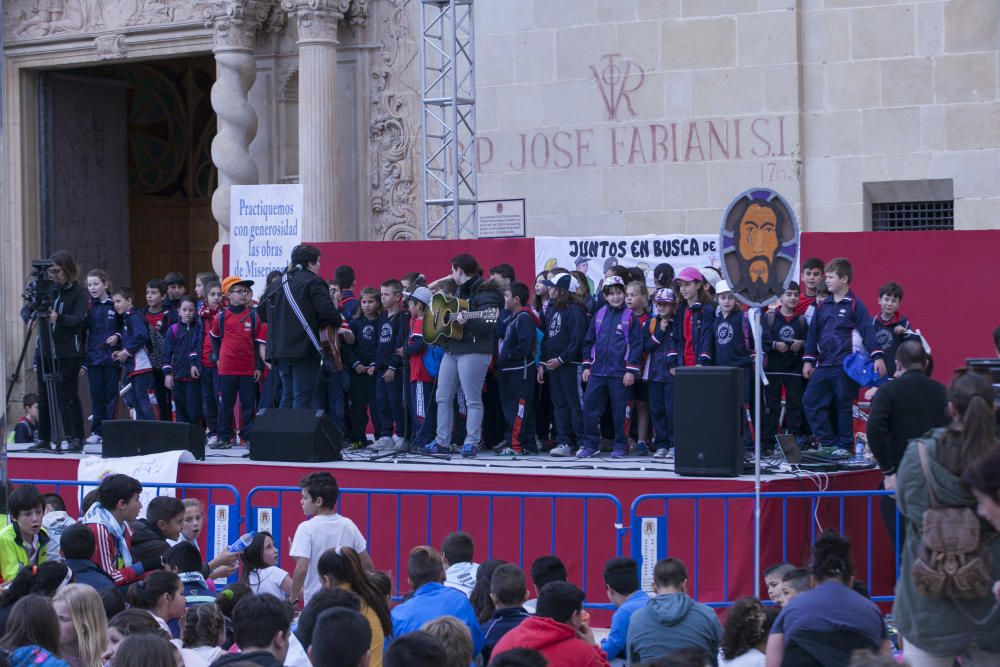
(913, 216)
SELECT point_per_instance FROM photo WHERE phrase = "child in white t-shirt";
(325, 530)
(259, 568)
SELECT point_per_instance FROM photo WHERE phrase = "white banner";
(150, 468)
(594, 255)
(264, 226)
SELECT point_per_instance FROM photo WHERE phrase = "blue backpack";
(432, 359)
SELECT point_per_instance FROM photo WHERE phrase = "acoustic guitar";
(329, 341)
(440, 323)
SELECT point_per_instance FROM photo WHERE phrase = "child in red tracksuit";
(238, 339)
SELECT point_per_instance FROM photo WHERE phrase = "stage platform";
(520, 508)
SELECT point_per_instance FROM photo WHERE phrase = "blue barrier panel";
(583, 529)
(677, 530)
(221, 520)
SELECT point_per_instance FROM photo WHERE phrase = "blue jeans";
(828, 386)
(103, 381)
(299, 379)
(330, 397)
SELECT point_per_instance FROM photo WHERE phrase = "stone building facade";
(125, 123)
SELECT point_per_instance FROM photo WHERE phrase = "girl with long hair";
(32, 635)
(161, 594)
(44, 579)
(482, 602)
(83, 627)
(342, 568)
(936, 630)
(260, 569)
(205, 632)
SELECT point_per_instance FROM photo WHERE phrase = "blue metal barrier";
(221, 520)
(268, 517)
(660, 525)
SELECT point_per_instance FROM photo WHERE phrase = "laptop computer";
(788, 446)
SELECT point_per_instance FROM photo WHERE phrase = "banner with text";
(594, 255)
(264, 226)
(150, 468)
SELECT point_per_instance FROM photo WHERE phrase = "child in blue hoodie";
(360, 357)
(565, 328)
(613, 349)
(516, 364)
(102, 371)
(133, 338)
(661, 380)
(733, 346)
(181, 357)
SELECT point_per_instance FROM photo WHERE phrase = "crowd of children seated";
(565, 371)
(111, 579)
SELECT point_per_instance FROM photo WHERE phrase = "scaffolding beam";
(448, 96)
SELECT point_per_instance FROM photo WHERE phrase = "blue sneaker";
(435, 448)
(618, 454)
(469, 451)
(587, 452)
(641, 449)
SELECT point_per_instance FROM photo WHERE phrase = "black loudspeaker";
(708, 408)
(294, 435)
(124, 437)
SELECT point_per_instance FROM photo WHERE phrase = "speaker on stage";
(125, 437)
(294, 435)
(708, 408)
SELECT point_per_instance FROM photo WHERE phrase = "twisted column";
(317, 22)
(235, 39)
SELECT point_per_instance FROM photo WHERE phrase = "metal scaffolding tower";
(448, 87)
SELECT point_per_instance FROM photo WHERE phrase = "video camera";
(40, 292)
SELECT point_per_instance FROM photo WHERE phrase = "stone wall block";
(699, 43)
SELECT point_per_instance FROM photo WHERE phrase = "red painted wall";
(948, 277)
(949, 281)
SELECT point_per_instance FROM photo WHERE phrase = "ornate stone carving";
(27, 19)
(392, 137)
(111, 46)
(317, 20)
(358, 13)
(236, 24)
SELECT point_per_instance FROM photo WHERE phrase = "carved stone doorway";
(141, 208)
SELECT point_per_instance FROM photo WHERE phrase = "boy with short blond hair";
(828, 342)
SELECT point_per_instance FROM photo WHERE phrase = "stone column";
(317, 22)
(236, 25)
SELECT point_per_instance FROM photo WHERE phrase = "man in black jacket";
(292, 348)
(903, 409)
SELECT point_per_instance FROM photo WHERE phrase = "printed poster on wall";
(265, 223)
(594, 255)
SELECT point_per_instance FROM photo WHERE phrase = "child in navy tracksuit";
(613, 348)
(389, 382)
(565, 327)
(661, 380)
(361, 359)
(516, 366)
(102, 371)
(181, 362)
(208, 368)
(733, 347)
(133, 337)
(694, 323)
(423, 407)
(784, 340)
(891, 327)
(828, 342)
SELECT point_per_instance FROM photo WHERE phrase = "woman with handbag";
(942, 612)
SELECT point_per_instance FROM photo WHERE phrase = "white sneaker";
(93, 439)
(212, 440)
(661, 453)
(561, 450)
(384, 444)
(399, 444)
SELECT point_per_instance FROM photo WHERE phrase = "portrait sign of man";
(759, 240)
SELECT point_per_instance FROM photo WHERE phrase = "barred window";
(913, 215)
